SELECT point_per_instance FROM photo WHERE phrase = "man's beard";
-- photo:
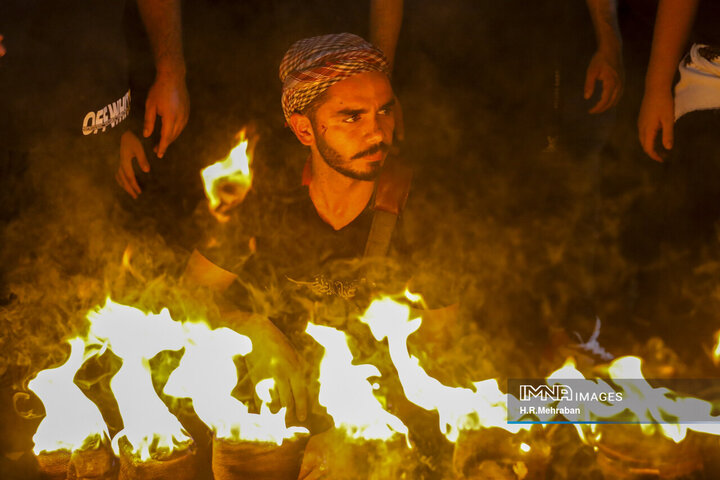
(337, 163)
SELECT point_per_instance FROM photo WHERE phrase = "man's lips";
(375, 151)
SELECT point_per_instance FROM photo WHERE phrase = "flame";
(213, 351)
(716, 351)
(662, 403)
(127, 255)
(413, 297)
(127, 264)
(136, 337)
(570, 372)
(346, 393)
(227, 181)
(656, 409)
(71, 419)
(458, 408)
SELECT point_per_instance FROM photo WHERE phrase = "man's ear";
(302, 128)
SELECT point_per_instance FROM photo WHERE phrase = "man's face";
(354, 126)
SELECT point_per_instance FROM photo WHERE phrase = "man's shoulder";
(393, 186)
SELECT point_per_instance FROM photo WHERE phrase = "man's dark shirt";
(284, 254)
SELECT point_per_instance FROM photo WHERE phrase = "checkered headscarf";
(313, 65)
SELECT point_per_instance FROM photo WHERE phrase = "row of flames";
(72, 420)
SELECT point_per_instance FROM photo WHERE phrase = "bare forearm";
(605, 24)
(672, 29)
(385, 21)
(163, 22)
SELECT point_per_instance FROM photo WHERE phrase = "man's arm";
(657, 113)
(272, 356)
(2, 48)
(606, 64)
(168, 96)
(385, 21)
(201, 271)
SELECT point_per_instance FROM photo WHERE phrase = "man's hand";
(2, 47)
(274, 357)
(168, 98)
(608, 69)
(657, 116)
(130, 148)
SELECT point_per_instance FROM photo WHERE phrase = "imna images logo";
(555, 393)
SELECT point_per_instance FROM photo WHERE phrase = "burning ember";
(228, 181)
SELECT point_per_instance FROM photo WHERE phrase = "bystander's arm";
(385, 21)
(606, 64)
(672, 29)
(168, 97)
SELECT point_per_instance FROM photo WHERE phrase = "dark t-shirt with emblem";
(65, 71)
(291, 263)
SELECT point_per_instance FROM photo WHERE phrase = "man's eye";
(385, 111)
(352, 119)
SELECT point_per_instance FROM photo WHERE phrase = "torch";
(228, 181)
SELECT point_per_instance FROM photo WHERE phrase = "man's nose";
(374, 132)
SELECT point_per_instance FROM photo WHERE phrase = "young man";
(338, 101)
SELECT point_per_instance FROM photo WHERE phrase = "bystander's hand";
(168, 99)
(2, 47)
(131, 149)
(607, 68)
(274, 357)
(656, 121)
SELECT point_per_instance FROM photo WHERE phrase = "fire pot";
(182, 464)
(256, 460)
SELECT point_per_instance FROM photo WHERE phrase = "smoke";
(528, 245)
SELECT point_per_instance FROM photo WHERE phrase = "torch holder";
(496, 453)
(626, 453)
(182, 464)
(245, 460)
(89, 464)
